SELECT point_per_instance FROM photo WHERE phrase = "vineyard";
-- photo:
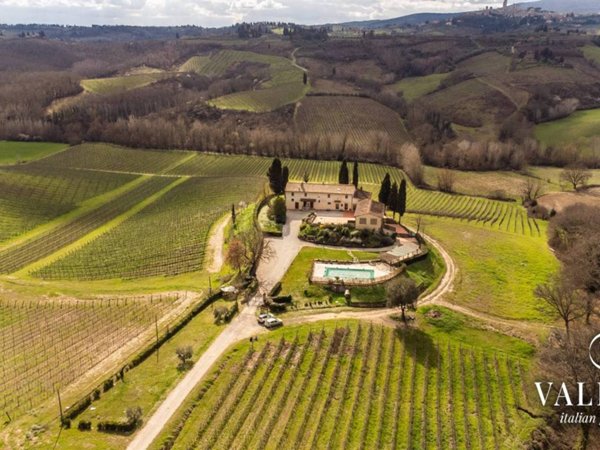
(357, 386)
(32, 196)
(361, 121)
(113, 159)
(19, 256)
(284, 86)
(167, 238)
(47, 345)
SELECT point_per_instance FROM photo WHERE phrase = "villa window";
(373, 221)
(362, 220)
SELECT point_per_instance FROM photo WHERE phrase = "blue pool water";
(347, 273)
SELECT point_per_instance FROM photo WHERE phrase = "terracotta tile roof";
(369, 206)
(320, 188)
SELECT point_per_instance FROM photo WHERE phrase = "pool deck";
(380, 269)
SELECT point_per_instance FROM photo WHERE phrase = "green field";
(358, 386)
(114, 85)
(578, 129)
(592, 52)
(21, 152)
(497, 269)
(416, 87)
(284, 85)
(551, 175)
(497, 184)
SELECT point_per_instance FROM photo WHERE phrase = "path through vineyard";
(215, 246)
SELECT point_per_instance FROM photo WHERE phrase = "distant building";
(368, 214)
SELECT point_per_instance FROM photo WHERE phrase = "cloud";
(219, 12)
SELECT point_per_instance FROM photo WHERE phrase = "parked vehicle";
(262, 317)
(273, 322)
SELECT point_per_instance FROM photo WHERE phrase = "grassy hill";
(578, 129)
(113, 85)
(283, 86)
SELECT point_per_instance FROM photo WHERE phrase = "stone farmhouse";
(365, 213)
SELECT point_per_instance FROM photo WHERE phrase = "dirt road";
(242, 327)
(215, 246)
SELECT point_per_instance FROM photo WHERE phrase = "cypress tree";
(285, 176)
(344, 177)
(402, 199)
(384, 192)
(393, 200)
(355, 174)
(233, 214)
(274, 175)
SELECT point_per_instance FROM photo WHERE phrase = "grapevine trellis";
(33, 195)
(357, 387)
(17, 257)
(167, 238)
(47, 345)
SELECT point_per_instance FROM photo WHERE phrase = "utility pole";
(62, 418)
(156, 328)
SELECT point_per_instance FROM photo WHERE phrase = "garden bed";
(344, 236)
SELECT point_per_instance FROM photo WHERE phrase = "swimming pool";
(348, 273)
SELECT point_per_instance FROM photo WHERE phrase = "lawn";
(416, 87)
(12, 152)
(296, 280)
(497, 270)
(578, 129)
(356, 385)
(305, 295)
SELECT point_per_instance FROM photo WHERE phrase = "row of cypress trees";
(393, 196)
(344, 175)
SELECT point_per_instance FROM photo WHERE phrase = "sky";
(215, 13)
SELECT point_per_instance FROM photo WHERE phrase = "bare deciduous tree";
(564, 300)
(531, 191)
(445, 180)
(576, 176)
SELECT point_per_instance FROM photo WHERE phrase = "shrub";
(277, 307)
(108, 384)
(283, 299)
(84, 425)
(275, 290)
